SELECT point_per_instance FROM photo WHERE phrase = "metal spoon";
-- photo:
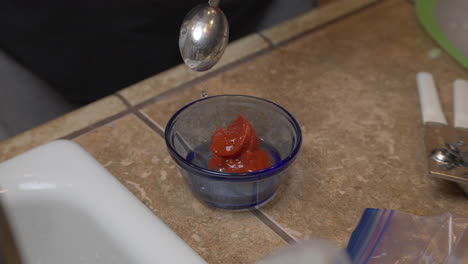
(203, 36)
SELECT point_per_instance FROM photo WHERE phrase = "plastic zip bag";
(386, 236)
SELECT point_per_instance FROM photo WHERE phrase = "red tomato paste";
(235, 149)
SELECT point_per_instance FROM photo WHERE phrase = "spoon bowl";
(203, 36)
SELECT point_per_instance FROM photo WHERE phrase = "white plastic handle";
(460, 103)
(430, 104)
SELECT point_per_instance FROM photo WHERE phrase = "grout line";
(102, 122)
(124, 101)
(131, 110)
(93, 126)
(265, 219)
(191, 83)
(326, 24)
(274, 226)
(270, 223)
(150, 123)
(266, 39)
(271, 47)
(203, 78)
(143, 116)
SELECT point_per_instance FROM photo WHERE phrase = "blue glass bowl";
(188, 135)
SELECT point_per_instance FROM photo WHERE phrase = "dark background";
(56, 56)
(87, 49)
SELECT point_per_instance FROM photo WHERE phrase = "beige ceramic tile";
(312, 19)
(61, 126)
(352, 88)
(181, 74)
(137, 156)
(363, 144)
(241, 48)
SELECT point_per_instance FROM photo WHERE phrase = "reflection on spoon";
(203, 37)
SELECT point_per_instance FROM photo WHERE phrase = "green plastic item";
(426, 13)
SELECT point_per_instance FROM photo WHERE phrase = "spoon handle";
(213, 3)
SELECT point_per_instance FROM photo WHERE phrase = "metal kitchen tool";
(203, 36)
(447, 146)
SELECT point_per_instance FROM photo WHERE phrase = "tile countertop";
(346, 71)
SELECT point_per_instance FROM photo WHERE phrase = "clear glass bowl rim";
(257, 174)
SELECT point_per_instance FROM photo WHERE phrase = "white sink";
(64, 207)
